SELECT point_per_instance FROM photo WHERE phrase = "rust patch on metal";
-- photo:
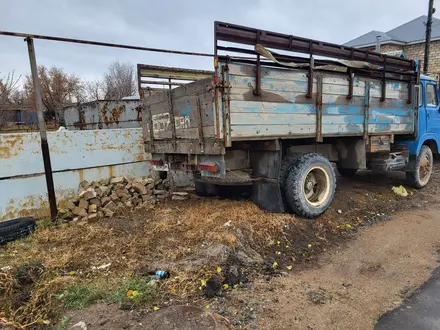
(139, 112)
(117, 112)
(104, 114)
(140, 157)
(11, 145)
(111, 170)
(81, 175)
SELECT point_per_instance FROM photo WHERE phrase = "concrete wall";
(75, 155)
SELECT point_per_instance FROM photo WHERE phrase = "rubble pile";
(102, 199)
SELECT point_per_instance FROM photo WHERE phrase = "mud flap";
(266, 190)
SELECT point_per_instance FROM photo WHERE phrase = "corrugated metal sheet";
(104, 115)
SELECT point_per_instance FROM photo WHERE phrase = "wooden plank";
(251, 131)
(156, 97)
(246, 70)
(268, 95)
(187, 133)
(342, 110)
(394, 90)
(342, 90)
(257, 118)
(270, 84)
(201, 86)
(271, 107)
(342, 129)
(150, 71)
(245, 94)
(391, 128)
(396, 112)
(286, 131)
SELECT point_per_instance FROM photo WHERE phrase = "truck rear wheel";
(286, 165)
(310, 186)
(423, 169)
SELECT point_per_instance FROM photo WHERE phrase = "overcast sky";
(182, 25)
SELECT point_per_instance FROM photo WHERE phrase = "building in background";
(17, 116)
(406, 40)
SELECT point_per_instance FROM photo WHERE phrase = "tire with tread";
(294, 185)
(13, 229)
(286, 164)
(413, 178)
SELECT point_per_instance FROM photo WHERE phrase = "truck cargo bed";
(284, 111)
(203, 112)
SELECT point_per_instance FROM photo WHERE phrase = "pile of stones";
(104, 198)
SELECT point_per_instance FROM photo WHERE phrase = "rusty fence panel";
(76, 156)
(104, 115)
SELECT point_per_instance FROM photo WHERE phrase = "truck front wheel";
(423, 169)
(310, 186)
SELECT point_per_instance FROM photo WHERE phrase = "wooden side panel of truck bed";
(284, 111)
(192, 108)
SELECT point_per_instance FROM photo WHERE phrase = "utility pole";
(43, 134)
(431, 11)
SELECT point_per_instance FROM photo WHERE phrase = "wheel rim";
(316, 187)
(425, 168)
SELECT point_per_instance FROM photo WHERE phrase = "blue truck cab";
(424, 145)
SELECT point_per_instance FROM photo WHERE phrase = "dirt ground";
(351, 286)
(360, 259)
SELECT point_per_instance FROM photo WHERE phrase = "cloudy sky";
(182, 25)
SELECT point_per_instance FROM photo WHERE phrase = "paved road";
(420, 312)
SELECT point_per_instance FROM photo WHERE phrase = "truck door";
(432, 108)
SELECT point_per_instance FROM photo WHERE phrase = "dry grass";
(164, 235)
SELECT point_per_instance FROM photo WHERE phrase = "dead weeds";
(73, 253)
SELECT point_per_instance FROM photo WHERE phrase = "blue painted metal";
(76, 156)
(428, 120)
(21, 154)
(286, 112)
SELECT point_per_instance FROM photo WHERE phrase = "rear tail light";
(210, 167)
(156, 162)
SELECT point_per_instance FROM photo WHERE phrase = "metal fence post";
(42, 125)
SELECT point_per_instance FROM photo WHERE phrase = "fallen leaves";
(400, 191)
(132, 294)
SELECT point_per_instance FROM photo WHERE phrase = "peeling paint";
(76, 156)
(104, 115)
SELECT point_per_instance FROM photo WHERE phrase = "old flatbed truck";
(286, 118)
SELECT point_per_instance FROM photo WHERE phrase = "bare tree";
(57, 89)
(8, 89)
(94, 90)
(119, 81)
